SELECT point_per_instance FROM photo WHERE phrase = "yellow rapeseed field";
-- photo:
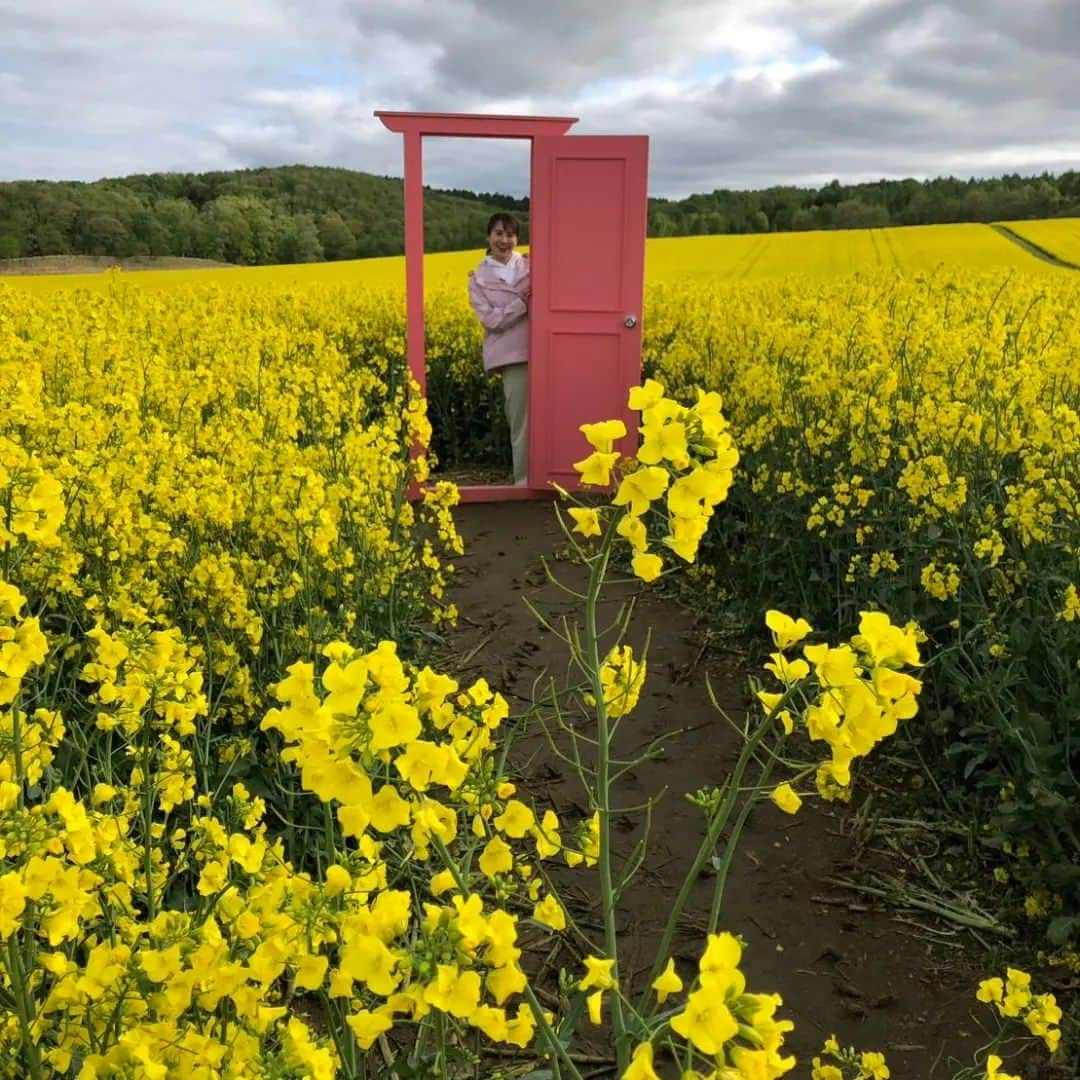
(753, 257)
(245, 833)
(1058, 236)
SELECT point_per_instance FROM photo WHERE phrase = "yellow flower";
(993, 1067)
(706, 1021)
(548, 840)
(496, 858)
(873, 1065)
(442, 882)
(718, 967)
(835, 667)
(648, 567)
(603, 435)
(786, 798)
(161, 966)
(667, 982)
(596, 468)
(1070, 605)
(491, 1021)
(587, 521)
(663, 442)
(520, 1030)
(338, 880)
(503, 981)
(632, 529)
(787, 671)
(12, 903)
(366, 959)
(595, 1004)
(397, 724)
(886, 644)
(643, 398)
(701, 490)
(597, 974)
(786, 630)
(102, 793)
(549, 912)
(516, 820)
(622, 678)
(454, 991)
(641, 1064)
(641, 488)
(367, 1026)
(310, 972)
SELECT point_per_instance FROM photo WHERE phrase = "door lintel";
(474, 125)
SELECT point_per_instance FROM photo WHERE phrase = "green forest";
(300, 213)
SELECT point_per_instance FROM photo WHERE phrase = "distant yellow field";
(754, 257)
(1059, 236)
(757, 257)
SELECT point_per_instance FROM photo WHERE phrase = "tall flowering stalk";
(654, 515)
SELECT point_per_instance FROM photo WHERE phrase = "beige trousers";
(515, 380)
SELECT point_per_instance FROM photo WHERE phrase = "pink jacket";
(502, 311)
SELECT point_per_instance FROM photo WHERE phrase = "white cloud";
(732, 92)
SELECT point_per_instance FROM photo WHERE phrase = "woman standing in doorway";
(499, 291)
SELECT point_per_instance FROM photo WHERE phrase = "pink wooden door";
(587, 249)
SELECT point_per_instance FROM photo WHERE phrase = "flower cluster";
(846, 1063)
(127, 982)
(859, 693)
(1018, 1010)
(231, 464)
(911, 443)
(622, 678)
(407, 758)
(686, 458)
(104, 972)
(1013, 999)
(728, 1033)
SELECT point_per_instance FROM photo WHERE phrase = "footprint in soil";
(842, 967)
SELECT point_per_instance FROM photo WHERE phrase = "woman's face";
(501, 241)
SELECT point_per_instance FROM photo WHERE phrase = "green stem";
(558, 1051)
(731, 845)
(603, 789)
(712, 836)
(24, 1007)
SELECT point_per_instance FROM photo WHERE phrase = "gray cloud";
(734, 93)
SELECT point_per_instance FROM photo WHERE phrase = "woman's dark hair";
(507, 221)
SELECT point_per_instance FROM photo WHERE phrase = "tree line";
(874, 204)
(308, 214)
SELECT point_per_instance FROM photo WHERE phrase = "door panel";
(588, 362)
(587, 249)
(586, 276)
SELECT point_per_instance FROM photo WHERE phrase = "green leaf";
(571, 1020)
(1062, 928)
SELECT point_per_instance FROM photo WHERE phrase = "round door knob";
(630, 322)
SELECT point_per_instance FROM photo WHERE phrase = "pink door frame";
(414, 126)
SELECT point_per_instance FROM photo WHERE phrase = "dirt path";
(841, 966)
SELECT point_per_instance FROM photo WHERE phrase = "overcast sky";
(733, 93)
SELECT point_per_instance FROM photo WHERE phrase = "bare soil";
(878, 979)
(94, 264)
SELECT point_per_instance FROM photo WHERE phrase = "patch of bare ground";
(850, 963)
